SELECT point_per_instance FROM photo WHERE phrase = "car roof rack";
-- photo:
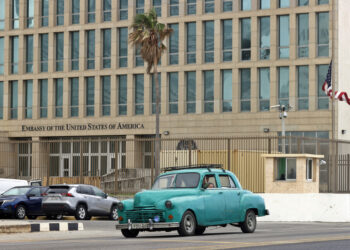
(207, 166)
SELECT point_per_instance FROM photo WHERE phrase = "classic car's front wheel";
(249, 224)
(188, 224)
(130, 233)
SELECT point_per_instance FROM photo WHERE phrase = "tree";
(148, 35)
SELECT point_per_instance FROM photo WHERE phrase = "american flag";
(327, 88)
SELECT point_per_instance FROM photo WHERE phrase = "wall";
(315, 207)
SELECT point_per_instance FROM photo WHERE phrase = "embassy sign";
(82, 127)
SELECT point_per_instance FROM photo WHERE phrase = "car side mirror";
(105, 196)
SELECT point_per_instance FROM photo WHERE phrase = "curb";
(42, 227)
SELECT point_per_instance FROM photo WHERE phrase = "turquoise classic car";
(189, 200)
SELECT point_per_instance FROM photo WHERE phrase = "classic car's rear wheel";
(200, 230)
(130, 233)
(249, 224)
(188, 224)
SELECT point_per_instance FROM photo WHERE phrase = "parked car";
(190, 200)
(6, 183)
(22, 201)
(82, 201)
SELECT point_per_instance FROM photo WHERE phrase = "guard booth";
(291, 173)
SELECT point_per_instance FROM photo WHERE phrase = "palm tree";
(148, 35)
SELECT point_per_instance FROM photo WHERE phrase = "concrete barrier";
(307, 207)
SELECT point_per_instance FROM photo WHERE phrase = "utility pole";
(283, 109)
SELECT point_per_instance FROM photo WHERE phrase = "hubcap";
(81, 212)
(21, 212)
(189, 223)
(115, 214)
(250, 221)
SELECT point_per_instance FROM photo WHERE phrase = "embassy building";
(68, 71)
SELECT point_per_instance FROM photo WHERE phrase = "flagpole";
(333, 150)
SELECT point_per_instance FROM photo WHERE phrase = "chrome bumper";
(147, 226)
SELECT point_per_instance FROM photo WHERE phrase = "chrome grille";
(143, 215)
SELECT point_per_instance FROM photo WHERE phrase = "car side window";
(209, 181)
(35, 192)
(226, 181)
(86, 190)
(99, 192)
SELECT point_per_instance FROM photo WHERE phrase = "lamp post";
(283, 109)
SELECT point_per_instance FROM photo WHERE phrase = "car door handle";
(239, 193)
(220, 192)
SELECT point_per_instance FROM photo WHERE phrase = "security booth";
(291, 173)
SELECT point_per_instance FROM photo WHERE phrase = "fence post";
(348, 168)
(190, 152)
(116, 157)
(269, 145)
(299, 145)
(152, 161)
(228, 154)
(81, 162)
(48, 167)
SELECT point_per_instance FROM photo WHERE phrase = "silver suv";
(82, 201)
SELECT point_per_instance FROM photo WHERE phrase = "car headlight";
(168, 204)
(120, 206)
(7, 201)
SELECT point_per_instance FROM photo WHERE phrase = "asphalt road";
(102, 235)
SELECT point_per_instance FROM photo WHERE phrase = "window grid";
(106, 59)
(74, 97)
(30, 14)
(191, 7)
(29, 54)
(245, 90)
(323, 34)
(191, 42)
(140, 6)
(44, 52)
(13, 99)
(107, 11)
(139, 94)
(157, 5)
(14, 54)
(59, 97)
(122, 94)
(2, 14)
(123, 47)
(303, 87)
(74, 36)
(174, 44)
(75, 11)
(173, 92)
(191, 92)
(90, 96)
(15, 14)
(59, 51)
(174, 7)
(264, 38)
(209, 41)
(91, 9)
(106, 95)
(264, 89)
(283, 32)
(208, 91)
(245, 39)
(44, 13)
(227, 5)
(226, 40)
(226, 81)
(59, 12)
(283, 85)
(28, 99)
(90, 58)
(123, 9)
(209, 6)
(303, 35)
(43, 97)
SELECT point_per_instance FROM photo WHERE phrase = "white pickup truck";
(6, 184)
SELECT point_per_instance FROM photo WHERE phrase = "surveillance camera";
(285, 114)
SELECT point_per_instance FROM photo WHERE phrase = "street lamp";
(283, 109)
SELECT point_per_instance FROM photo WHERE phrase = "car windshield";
(17, 191)
(183, 180)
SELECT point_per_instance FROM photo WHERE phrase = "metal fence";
(94, 160)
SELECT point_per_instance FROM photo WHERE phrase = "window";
(75, 11)
(283, 41)
(209, 6)
(74, 97)
(139, 94)
(303, 35)
(283, 85)
(283, 3)
(154, 94)
(286, 169)
(323, 34)
(173, 93)
(59, 51)
(106, 95)
(208, 91)
(191, 7)
(138, 58)
(14, 54)
(209, 179)
(91, 8)
(157, 5)
(303, 2)
(174, 44)
(322, 98)
(1, 100)
(43, 97)
(25, 160)
(2, 55)
(264, 4)
(191, 92)
(123, 9)
(29, 53)
(90, 53)
(107, 10)
(227, 40)
(323, 2)
(227, 5)
(28, 87)
(123, 47)
(122, 94)
(59, 12)
(74, 36)
(226, 181)
(303, 87)
(30, 13)
(264, 38)
(209, 41)
(264, 89)
(245, 90)
(44, 52)
(90, 96)
(245, 39)
(106, 59)
(191, 42)
(174, 7)
(309, 169)
(15, 14)
(59, 97)
(140, 6)
(13, 99)
(246, 5)
(44, 13)
(226, 81)
(2, 14)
